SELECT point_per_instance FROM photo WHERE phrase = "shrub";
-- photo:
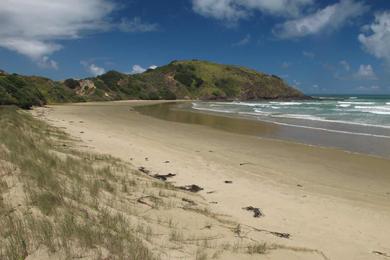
(71, 83)
(153, 96)
(111, 78)
(167, 94)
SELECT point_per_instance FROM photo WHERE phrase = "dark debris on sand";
(190, 202)
(256, 211)
(163, 177)
(144, 170)
(191, 188)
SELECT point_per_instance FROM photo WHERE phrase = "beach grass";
(60, 206)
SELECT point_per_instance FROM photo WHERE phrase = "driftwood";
(228, 182)
(256, 211)
(163, 177)
(191, 202)
(278, 234)
(143, 201)
(144, 170)
(281, 235)
(380, 253)
(206, 227)
(191, 188)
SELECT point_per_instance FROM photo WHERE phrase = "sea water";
(354, 114)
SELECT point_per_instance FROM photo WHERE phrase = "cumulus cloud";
(244, 41)
(32, 28)
(376, 40)
(366, 72)
(137, 69)
(137, 25)
(93, 69)
(235, 10)
(327, 19)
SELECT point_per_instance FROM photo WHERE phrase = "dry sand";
(327, 199)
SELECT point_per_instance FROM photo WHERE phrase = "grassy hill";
(177, 80)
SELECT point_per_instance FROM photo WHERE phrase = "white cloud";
(95, 70)
(366, 72)
(137, 69)
(46, 62)
(137, 25)
(92, 68)
(235, 10)
(327, 19)
(34, 49)
(345, 65)
(243, 41)
(376, 40)
(32, 28)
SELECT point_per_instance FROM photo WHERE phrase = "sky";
(324, 47)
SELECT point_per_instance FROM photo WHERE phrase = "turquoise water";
(360, 110)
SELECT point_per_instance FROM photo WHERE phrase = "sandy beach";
(327, 199)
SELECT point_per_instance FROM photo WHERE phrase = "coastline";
(350, 137)
(328, 199)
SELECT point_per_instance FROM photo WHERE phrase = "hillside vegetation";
(177, 80)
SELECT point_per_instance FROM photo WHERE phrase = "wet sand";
(327, 199)
(349, 137)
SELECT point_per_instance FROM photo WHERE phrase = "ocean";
(355, 115)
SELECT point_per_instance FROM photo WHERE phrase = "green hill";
(177, 80)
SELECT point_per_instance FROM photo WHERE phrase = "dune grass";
(61, 208)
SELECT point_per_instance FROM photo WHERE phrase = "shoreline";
(327, 199)
(353, 142)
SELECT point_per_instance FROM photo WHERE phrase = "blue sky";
(340, 46)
